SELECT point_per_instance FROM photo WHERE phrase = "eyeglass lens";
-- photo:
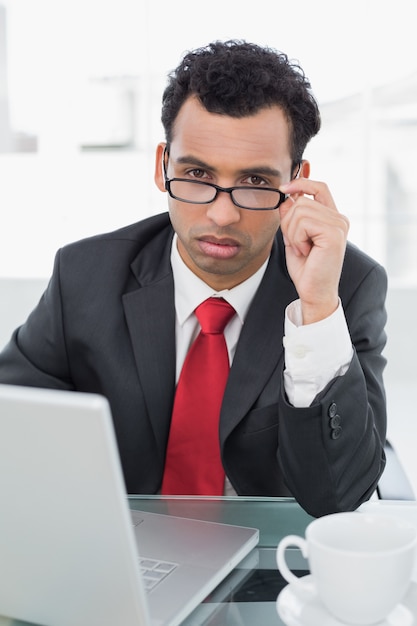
(201, 193)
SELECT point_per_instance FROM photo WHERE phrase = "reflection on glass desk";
(248, 595)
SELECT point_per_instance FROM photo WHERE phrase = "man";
(303, 411)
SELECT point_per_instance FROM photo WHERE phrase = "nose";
(222, 211)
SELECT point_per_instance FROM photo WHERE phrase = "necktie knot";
(213, 315)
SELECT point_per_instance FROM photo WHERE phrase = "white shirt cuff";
(314, 353)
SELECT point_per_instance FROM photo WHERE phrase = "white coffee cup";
(361, 564)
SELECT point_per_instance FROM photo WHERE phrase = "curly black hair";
(239, 79)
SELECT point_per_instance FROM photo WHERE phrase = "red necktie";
(193, 465)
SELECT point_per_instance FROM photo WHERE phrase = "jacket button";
(335, 421)
(336, 432)
(332, 409)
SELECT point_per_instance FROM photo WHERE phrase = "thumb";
(286, 206)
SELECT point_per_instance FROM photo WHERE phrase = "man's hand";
(315, 235)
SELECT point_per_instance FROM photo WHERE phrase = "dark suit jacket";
(106, 324)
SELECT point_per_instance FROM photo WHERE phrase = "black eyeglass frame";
(229, 190)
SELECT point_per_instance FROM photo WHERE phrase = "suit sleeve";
(36, 353)
(332, 453)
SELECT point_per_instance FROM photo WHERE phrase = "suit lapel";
(150, 315)
(260, 344)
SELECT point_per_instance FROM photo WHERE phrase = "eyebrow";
(258, 169)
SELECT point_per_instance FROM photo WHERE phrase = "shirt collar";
(190, 291)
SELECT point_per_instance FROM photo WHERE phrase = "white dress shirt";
(314, 353)
(190, 291)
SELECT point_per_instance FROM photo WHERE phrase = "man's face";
(220, 242)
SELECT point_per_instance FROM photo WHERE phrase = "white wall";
(96, 74)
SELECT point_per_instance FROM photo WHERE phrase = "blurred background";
(80, 93)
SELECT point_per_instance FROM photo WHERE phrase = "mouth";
(219, 248)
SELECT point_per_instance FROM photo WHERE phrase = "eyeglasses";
(198, 192)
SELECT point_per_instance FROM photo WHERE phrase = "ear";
(159, 172)
(304, 169)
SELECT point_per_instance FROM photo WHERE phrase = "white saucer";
(295, 610)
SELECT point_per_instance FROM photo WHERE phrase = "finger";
(318, 190)
(305, 227)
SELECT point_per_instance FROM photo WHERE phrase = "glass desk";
(249, 593)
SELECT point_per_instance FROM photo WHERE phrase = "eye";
(197, 173)
(256, 181)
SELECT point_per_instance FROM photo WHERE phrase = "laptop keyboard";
(154, 571)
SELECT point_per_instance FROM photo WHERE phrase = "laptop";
(72, 552)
